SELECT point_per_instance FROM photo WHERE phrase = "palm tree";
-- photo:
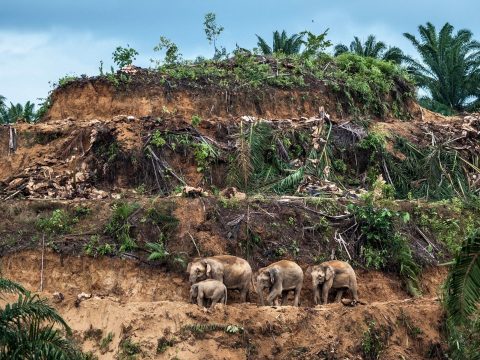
(27, 328)
(371, 48)
(282, 43)
(450, 70)
(14, 113)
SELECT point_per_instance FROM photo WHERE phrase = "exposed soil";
(89, 153)
(147, 305)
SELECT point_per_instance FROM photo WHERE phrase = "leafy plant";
(196, 120)
(157, 139)
(382, 246)
(157, 251)
(213, 31)
(105, 342)
(372, 342)
(124, 56)
(119, 226)
(58, 223)
(172, 53)
(128, 349)
(32, 329)
(315, 44)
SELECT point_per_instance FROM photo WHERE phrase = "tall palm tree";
(450, 70)
(282, 43)
(14, 113)
(27, 328)
(371, 48)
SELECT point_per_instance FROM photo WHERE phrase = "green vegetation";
(124, 56)
(120, 225)
(373, 342)
(461, 299)
(450, 70)
(60, 222)
(128, 349)
(382, 245)
(13, 113)
(282, 43)
(32, 329)
(213, 31)
(371, 48)
(105, 342)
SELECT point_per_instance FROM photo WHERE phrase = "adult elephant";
(279, 278)
(233, 271)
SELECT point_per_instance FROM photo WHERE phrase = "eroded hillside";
(121, 184)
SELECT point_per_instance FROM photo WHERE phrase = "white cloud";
(30, 60)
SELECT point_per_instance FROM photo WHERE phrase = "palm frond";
(9, 286)
(463, 283)
(264, 47)
(31, 308)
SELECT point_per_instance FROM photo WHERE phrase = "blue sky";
(41, 41)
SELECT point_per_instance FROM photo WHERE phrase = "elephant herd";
(210, 277)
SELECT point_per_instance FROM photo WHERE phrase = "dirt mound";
(100, 100)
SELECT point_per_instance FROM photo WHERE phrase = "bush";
(58, 223)
(119, 226)
(382, 246)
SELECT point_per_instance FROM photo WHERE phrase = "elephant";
(279, 278)
(233, 271)
(333, 274)
(209, 289)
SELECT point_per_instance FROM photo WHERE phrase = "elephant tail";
(225, 297)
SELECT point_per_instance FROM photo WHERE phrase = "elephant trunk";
(259, 290)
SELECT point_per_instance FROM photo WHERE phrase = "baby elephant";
(209, 289)
(333, 274)
(279, 278)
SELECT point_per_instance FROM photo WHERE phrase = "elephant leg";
(338, 298)
(316, 296)
(214, 302)
(200, 300)
(298, 289)
(284, 297)
(325, 290)
(243, 294)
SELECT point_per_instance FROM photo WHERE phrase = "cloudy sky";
(41, 41)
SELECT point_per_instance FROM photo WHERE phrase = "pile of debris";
(42, 182)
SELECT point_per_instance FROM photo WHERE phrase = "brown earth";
(146, 302)
(148, 305)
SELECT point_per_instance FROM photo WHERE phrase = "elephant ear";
(308, 272)
(273, 275)
(329, 273)
(209, 270)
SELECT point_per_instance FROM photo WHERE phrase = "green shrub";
(60, 222)
(124, 56)
(119, 226)
(382, 246)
